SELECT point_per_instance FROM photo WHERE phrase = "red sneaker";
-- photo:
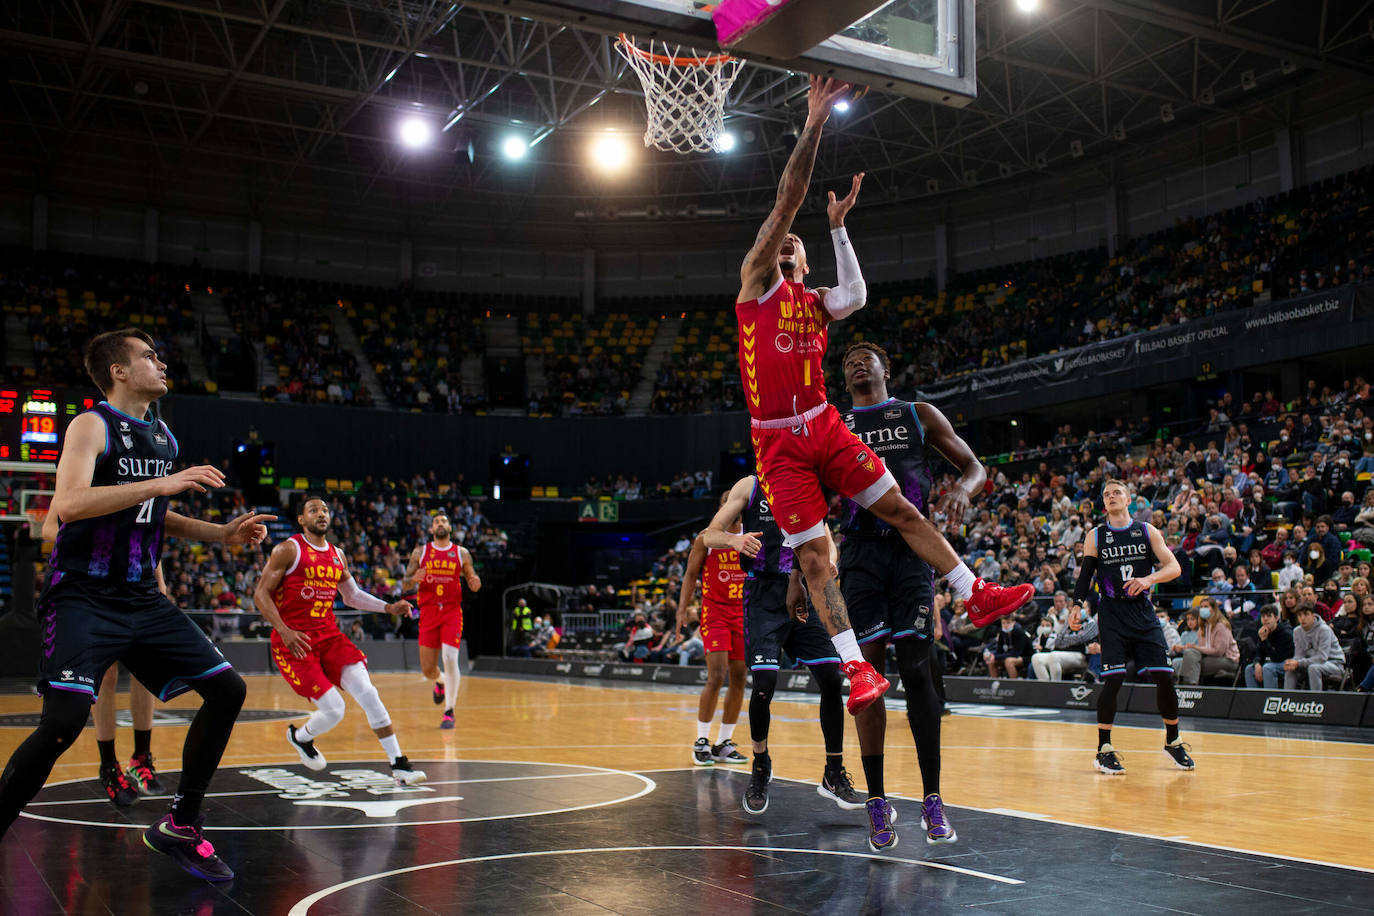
(866, 685)
(991, 601)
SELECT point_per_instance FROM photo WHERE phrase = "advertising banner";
(1210, 702)
(1321, 708)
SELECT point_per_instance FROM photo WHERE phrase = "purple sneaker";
(934, 822)
(881, 834)
(188, 848)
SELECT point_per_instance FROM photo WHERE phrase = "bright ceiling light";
(415, 132)
(1028, 6)
(842, 106)
(610, 152)
(514, 147)
(725, 142)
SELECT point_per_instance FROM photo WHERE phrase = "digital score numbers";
(34, 420)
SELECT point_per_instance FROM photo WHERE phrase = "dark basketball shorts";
(769, 630)
(1125, 641)
(888, 590)
(87, 624)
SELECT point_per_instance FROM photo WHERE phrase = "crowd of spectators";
(1269, 505)
(684, 485)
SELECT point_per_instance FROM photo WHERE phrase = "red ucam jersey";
(722, 581)
(782, 339)
(442, 569)
(305, 597)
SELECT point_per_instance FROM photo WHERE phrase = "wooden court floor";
(1297, 799)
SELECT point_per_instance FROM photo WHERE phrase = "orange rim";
(627, 42)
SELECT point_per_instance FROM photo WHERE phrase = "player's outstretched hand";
(247, 529)
(836, 209)
(823, 95)
(747, 543)
(401, 607)
(199, 478)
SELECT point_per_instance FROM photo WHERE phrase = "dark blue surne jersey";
(1124, 554)
(124, 546)
(773, 558)
(894, 432)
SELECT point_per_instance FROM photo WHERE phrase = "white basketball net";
(684, 93)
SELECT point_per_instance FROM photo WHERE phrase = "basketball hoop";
(684, 93)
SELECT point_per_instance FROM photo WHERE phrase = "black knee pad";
(828, 679)
(225, 691)
(765, 682)
(1166, 698)
(1106, 700)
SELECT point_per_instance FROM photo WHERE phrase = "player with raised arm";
(101, 603)
(1120, 553)
(434, 570)
(722, 636)
(776, 621)
(295, 594)
(799, 439)
(889, 590)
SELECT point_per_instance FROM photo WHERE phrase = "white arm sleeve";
(358, 599)
(851, 293)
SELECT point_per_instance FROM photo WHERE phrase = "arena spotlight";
(415, 132)
(514, 147)
(1028, 6)
(725, 142)
(610, 152)
(842, 106)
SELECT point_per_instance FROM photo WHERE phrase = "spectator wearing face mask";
(1216, 653)
(1337, 476)
(1344, 514)
(1218, 587)
(1322, 567)
(1065, 651)
(1316, 653)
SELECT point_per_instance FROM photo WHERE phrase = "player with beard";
(890, 591)
(800, 442)
(776, 621)
(101, 602)
(435, 569)
(1121, 553)
(296, 596)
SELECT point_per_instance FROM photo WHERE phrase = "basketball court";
(555, 796)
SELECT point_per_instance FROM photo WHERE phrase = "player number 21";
(145, 512)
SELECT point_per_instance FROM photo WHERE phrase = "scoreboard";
(34, 420)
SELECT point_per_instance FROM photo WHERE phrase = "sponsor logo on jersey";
(784, 343)
(892, 414)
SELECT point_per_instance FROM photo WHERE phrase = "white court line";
(649, 786)
(303, 907)
(427, 783)
(1049, 819)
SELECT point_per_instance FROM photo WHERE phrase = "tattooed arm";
(760, 268)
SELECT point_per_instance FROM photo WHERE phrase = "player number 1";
(145, 511)
(806, 375)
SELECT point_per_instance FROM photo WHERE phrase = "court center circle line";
(649, 786)
(303, 907)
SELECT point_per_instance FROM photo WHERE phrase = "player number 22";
(145, 512)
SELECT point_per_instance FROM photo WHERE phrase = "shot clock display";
(34, 420)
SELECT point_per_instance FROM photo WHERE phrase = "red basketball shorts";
(794, 463)
(441, 625)
(722, 629)
(323, 665)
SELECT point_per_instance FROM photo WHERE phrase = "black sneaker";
(701, 753)
(405, 774)
(143, 775)
(727, 752)
(117, 787)
(188, 848)
(1178, 753)
(1108, 762)
(311, 758)
(438, 694)
(838, 787)
(756, 796)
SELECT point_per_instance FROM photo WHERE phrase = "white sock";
(704, 730)
(451, 675)
(303, 733)
(727, 731)
(961, 579)
(392, 745)
(847, 646)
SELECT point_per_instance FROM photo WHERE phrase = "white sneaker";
(310, 758)
(405, 774)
